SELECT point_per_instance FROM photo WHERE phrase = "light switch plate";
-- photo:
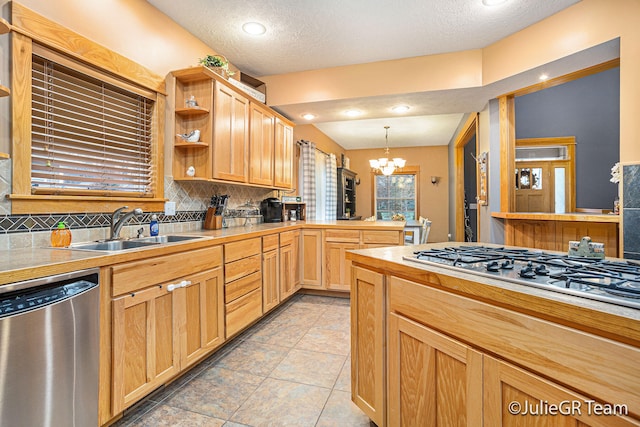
(169, 208)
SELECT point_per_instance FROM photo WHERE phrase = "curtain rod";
(304, 142)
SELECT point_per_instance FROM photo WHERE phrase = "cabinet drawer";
(243, 311)
(140, 274)
(242, 249)
(351, 236)
(269, 243)
(242, 286)
(243, 267)
(381, 237)
(288, 237)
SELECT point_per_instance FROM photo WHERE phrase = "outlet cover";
(169, 208)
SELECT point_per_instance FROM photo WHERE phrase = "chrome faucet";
(117, 221)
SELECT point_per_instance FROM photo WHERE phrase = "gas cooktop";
(613, 282)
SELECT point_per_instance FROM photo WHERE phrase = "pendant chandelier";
(384, 165)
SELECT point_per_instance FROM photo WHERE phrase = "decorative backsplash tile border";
(33, 223)
(631, 210)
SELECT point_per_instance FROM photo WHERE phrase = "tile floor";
(290, 369)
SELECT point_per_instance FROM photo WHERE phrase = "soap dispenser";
(61, 236)
(154, 228)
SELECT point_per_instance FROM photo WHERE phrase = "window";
(87, 134)
(88, 124)
(396, 194)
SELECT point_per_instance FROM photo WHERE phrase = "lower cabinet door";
(337, 267)
(203, 315)
(145, 343)
(287, 287)
(515, 397)
(434, 380)
(270, 280)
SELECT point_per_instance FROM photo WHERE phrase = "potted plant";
(218, 63)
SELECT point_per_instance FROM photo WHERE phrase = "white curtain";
(331, 195)
(321, 186)
(307, 176)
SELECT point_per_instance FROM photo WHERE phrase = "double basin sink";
(139, 243)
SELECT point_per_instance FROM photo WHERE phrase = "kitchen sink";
(139, 243)
(166, 239)
(112, 245)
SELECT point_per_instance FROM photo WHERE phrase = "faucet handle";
(117, 211)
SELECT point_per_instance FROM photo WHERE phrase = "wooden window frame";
(29, 29)
(407, 170)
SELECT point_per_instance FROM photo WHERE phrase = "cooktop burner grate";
(609, 281)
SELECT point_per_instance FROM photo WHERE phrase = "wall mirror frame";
(506, 106)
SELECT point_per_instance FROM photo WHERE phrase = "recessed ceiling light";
(544, 76)
(493, 2)
(400, 109)
(308, 116)
(353, 113)
(254, 28)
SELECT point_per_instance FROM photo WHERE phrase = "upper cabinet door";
(231, 135)
(283, 155)
(261, 146)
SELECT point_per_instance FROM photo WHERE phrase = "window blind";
(88, 135)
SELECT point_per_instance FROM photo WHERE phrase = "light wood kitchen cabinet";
(230, 134)
(337, 273)
(283, 154)
(312, 259)
(289, 263)
(243, 284)
(146, 340)
(261, 145)
(368, 339)
(433, 379)
(270, 272)
(161, 330)
(204, 316)
(510, 393)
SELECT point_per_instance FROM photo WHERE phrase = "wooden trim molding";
(37, 27)
(37, 204)
(469, 129)
(507, 153)
(598, 68)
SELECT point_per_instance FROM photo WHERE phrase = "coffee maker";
(271, 209)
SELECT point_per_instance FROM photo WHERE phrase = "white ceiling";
(312, 34)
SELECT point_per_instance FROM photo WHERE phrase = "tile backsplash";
(191, 198)
(631, 210)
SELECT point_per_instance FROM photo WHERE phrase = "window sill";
(44, 204)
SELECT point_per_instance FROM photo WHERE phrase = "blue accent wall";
(589, 109)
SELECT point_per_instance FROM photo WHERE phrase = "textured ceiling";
(314, 34)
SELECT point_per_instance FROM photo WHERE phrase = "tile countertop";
(25, 264)
(613, 320)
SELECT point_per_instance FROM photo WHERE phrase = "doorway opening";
(466, 228)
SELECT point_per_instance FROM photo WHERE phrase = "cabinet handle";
(171, 287)
(185, 283)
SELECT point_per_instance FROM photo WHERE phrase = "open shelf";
(4, 91)
(5, 27)
(191, 111)
(4, 155)
(198, 144)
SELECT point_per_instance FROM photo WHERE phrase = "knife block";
(212, 221)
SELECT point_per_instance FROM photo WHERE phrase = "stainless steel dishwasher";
(49, 350)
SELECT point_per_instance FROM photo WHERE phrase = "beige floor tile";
(343, 383)
(326, 341)
(341, 411)
(217, 392)
(285, 334)
(168, 416)
(253, 357)
(309, 367)
(282, 403)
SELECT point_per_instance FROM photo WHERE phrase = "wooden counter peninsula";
(434, 346)
(553, 232)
